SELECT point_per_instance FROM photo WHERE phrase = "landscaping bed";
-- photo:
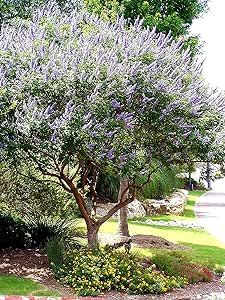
(32, 264)
(21, 259)
(190, 292)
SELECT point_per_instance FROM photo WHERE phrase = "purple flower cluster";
(115, 91)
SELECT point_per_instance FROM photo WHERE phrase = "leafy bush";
(13, 232)
(218, 269)
(195, 184)
(57, 245)
(34, 230)
(107, 187)
(179, 265)
(91, 272)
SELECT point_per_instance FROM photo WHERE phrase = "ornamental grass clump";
(92, 272)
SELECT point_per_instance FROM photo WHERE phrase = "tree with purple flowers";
(82, 96)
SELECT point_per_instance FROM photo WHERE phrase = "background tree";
(166, 15)
(88, 96)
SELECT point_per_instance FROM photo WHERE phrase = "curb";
(48, 298)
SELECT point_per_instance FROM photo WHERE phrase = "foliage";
(34, 230)
(163, 182)
(218, 269)
(196, 185)
(177, 264)
(42, 228)
(167, 16)
(12, 285)
(88, 96)
(23, 193)
(107, 187)
(175, 16)
(90, 273)
(57, 246)
(13, 232)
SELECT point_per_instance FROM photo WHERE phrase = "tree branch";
(80, 201)
(113, 210)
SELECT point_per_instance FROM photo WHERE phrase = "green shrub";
(57, 246)
(21, 193)
(178, 265)
(218, 269)
(91, 272)
(34, 230)
(107, 187)
(13, 232)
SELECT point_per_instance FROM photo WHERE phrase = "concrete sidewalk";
(210, 210)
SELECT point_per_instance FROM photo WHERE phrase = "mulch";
(152, 241)
(34, 264)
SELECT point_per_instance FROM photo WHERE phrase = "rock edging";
(174, 204)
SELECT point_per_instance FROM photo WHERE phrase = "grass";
(12, 285)
(204, 248)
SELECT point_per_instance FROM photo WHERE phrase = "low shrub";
(92, 272)
(163, 182)
(57, 246)
(218, 270)
(13, 232)
(43, 227)
(179, 265)
(34, 231)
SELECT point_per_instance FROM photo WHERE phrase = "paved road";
(210, 210)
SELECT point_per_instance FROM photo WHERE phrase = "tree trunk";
(123, 230)
(190, 186)
(208, 175)
(92, 235)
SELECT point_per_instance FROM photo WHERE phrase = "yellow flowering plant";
(93, 272)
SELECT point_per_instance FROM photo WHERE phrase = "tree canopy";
(168, 16)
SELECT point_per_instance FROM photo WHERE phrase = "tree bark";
(123, 230)
(92, 236)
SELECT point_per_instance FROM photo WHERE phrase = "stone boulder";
(135, 209)
(171, 205)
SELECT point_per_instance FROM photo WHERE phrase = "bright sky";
(211, 28)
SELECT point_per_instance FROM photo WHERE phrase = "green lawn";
(204, 247)
(12, 285)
